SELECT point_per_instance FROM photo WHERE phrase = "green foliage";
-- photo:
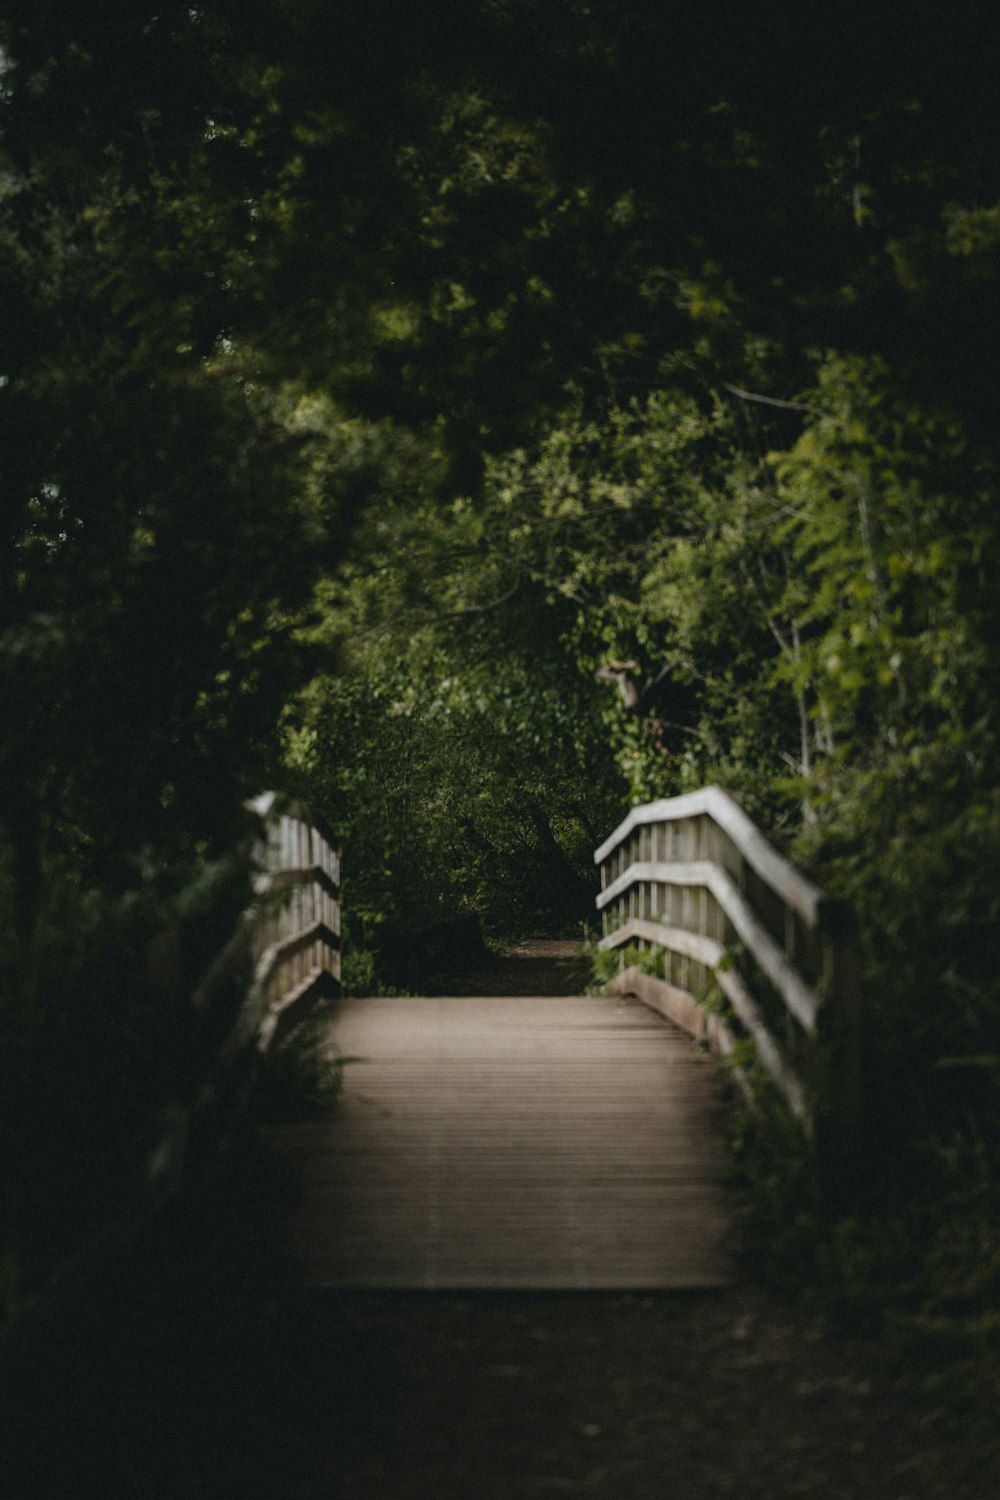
(455, 788)
(459, 754)
(917, 1271)
(361, 970)
(302, 1075)
(97, 1037)
(605, 963)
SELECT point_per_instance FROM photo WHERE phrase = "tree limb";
(737, 390)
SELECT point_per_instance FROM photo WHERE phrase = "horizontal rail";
(277, 953)
(704, 950)
(770, 1054)
(301, 875)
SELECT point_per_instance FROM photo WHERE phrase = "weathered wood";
(522, 1142)
(800, 998)
(768, 1052)
(699, 864)
(779, 873)
(667, 1000)
(704, 950)
(294, 923)
(662, 872)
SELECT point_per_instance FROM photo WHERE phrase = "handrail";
(296, 926)
(694, 882)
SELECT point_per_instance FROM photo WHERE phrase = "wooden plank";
(663, 872)
(523, 1142)
(768, 1051)
(283, 879)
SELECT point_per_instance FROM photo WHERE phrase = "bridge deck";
(532, 1142)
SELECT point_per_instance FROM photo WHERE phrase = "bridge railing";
(291, 930)
(296, 937)
(693, 888)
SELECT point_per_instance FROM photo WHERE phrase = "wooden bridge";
(568, 1141)
(520, 1138)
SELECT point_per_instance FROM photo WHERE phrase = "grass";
(302, 1075)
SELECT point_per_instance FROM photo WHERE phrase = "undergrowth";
(361, 977)
(905, 1255)
(911, 1265)
(302, 1075)
(606, 963)
(98, 1036)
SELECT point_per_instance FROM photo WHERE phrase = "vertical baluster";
(634, 843)
(643, 892)
(646, 858)
(673, 911)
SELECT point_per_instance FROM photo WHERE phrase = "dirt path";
(537, 967)
(637, 1398)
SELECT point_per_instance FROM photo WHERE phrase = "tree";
(458, 752)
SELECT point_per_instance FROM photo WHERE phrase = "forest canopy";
(475, 417)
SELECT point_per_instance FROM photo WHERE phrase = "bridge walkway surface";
(533, 1141)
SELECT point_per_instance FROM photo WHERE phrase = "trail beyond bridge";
(511, 1141)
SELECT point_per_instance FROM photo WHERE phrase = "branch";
(654, 682)
(737, 390)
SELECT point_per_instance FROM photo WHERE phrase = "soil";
(200, 1374)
